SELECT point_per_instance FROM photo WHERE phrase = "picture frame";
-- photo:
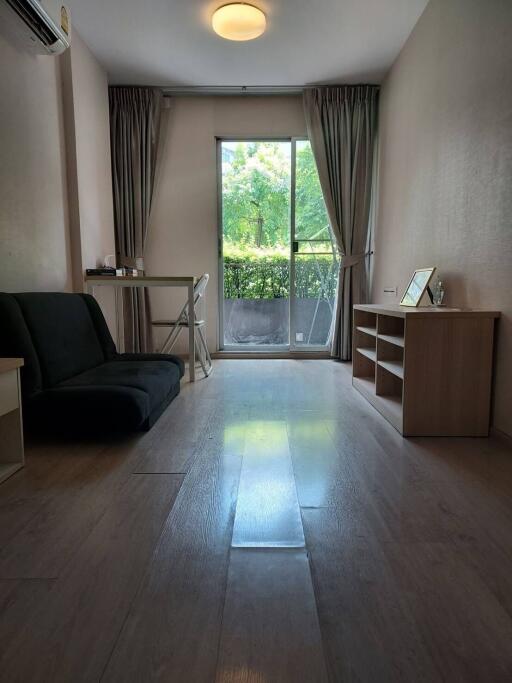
(417, 286)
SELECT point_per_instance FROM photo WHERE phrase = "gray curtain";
(342, 126)
(135, 115)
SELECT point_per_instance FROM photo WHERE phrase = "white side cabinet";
(11, 420)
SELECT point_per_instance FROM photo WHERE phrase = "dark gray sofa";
(74, 379)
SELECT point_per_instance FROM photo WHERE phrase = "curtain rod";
(239, 90)
(205, 90)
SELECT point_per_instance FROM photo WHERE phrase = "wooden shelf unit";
(11, 421)
(428, 370)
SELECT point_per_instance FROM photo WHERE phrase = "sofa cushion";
(88, 409)
(168, 357)
(155, 378)
(62, 333)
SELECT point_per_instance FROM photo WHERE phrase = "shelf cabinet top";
(425, 311)
(8, 364)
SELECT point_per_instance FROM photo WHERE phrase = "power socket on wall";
(391, 291)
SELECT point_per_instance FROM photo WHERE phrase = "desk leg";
(191, 335)
(118, 299)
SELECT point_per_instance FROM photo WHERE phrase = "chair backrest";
(199, 292)
(200, 287)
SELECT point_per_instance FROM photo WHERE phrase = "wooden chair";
(182, 322)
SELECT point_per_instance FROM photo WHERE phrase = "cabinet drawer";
(8, 391)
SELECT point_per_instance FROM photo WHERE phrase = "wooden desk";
(118, 282)
(12, 456)
(427, 370)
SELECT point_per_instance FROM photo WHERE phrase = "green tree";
(256, 195)
(256, 222)
(310, 215)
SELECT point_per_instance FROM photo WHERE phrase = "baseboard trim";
(250, 355)
(276, 355)
(503, 436)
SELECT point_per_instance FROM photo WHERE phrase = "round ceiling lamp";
(239, 21)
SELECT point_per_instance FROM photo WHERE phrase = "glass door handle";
(295, 247)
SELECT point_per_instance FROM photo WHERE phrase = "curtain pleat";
(135, 115)
(342, 128)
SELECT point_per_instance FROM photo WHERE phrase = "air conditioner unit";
(42, 26)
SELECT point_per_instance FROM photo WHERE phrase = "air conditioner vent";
(40, 28)
(47, 22)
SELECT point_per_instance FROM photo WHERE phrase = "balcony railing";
(256, 300)
(315, 276)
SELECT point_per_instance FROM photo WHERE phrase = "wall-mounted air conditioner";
(43, 26)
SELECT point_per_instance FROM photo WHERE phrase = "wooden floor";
(270, 527)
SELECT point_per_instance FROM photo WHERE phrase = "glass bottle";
(439, 293)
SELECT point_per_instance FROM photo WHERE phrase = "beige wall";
(34, 235)
(89, 172)
(183, 233)
(92, 142)
(446, 166)
(55, 183)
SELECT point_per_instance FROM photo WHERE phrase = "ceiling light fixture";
(239, 21)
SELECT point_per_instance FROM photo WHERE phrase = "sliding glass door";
(314, 263)
(277, 265)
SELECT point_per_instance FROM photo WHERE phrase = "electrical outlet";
(391, 290)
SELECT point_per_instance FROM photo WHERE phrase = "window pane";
(311, 220)
(316, 264)
(315, 291)
(256, 242)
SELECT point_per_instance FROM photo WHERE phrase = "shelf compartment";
(370, 331)
(395, 367)
(389, 396)
(389, 407)
(390, 325)
(394, 339)
(390, 357)
(365, 319)
(363, 366)
(369, 353)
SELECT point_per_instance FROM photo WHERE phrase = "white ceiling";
(171, 42)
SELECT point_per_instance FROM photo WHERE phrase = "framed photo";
(417, 286)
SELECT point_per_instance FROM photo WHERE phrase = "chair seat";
(179, 323)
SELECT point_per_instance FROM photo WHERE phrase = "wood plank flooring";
(267, 510)
(270, 626)
(271, 527)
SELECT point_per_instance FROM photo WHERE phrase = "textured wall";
(446, 166)
(92, 140)
(34, 237)
(89, 173)
(183, 233)
(55, 183)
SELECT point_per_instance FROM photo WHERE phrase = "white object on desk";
(187, 281)
(12, 456)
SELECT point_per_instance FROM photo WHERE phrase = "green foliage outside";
(256, 220)
(268, 277)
